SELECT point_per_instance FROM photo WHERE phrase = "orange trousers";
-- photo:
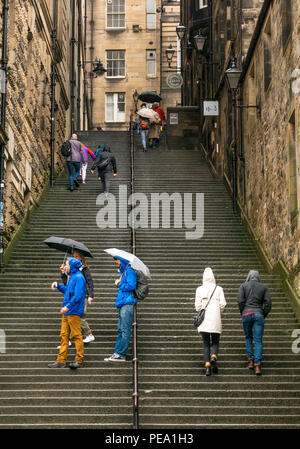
(70, 323)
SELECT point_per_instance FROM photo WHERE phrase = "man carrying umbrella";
(125, 303)
(72, 311)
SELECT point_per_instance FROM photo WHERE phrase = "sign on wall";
(173, 118)
(174, 80)
(210, 108)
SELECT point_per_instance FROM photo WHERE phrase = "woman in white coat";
(211, 327)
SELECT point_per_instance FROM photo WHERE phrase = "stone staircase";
(173, 391)
(32, 395)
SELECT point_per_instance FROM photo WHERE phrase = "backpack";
(142, 287)
(144, 124)
(66, 149)
(104, 163)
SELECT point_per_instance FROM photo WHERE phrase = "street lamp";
(233, 75)
(199, 41)
(170, 53)
(180, 30)
(98, 69)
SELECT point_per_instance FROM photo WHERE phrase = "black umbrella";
(67, 245)
(149, 97)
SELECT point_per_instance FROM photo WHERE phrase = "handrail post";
(135, 395)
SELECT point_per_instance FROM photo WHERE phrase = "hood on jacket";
(253, 275)
(124, 263)
(208, 276)
(100, 148)
(75, 264)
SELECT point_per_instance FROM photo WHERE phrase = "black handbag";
(198, 319)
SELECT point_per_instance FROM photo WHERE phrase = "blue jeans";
(71, 167)
(253, 326)
(144, 134)
(124, 329)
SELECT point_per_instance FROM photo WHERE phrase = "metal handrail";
(135, 395)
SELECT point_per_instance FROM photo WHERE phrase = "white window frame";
(202, 4)
(150, 11)
(117, 13)
(150, 59)
(115, 60)
(118, 116)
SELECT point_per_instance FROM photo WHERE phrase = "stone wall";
(28, 112)
(270, 140)
(183, 127)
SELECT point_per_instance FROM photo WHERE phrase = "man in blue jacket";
(125, 303)
(72, 311)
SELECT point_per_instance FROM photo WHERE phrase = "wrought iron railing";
(135, 394)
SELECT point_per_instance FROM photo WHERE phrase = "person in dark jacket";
(106, 165)
(125, 303)
(255, 303)
(86, 331)
(72, 311)
(74, 161)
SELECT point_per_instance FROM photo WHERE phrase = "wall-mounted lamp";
(98, 69)
(180, 30)
(199, 41)
(233, 75)
(170, 53)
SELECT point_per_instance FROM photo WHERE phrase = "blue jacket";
(74, 291)
(127, 284)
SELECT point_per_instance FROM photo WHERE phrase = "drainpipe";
(84, 69)
(4, 62)
(161, 44)
(53, 83)
(211, 65)
(92, 59)
(73, 81)
(79, 66)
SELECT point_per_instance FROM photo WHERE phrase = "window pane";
(109, 107)
(150, 67)
(150, 54)
(151, 20)
(115, 13)
(151, 6)
(115, 63)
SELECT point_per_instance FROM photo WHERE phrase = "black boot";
(213, 362)
(208, 370)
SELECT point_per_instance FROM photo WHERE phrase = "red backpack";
(144, 124)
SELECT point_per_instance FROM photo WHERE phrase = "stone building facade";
(271, 137)
(169, 20)
(29, 98)
(258, 145)
(127, 37)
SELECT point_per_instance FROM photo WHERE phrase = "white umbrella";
(150, 114)
(135, 262)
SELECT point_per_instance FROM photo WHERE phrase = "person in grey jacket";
(74, 161)
(106, 165)
(255, 303)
